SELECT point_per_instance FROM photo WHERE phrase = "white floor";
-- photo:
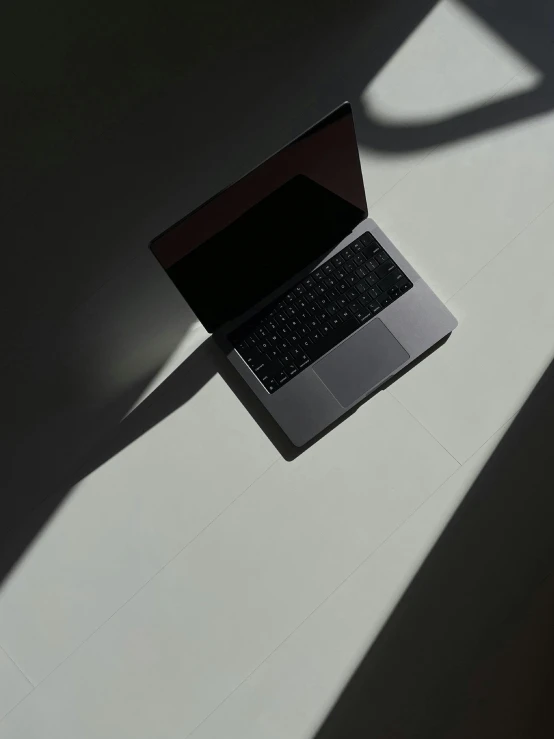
(198, 585)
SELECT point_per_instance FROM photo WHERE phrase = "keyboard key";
(340, 274)
(313, 323)
(356, 246)
(324, 329)
(361, 286)
(333, 293)
(335, 321)
(303, 331)
(371, 264)
(391, 280)
(371, 252)
(266, 368)
(331, 281)
(305, 342)
(252, 356)
(384, 300)
(302, 303)
(294, 338)
(328, 268)
(281, 318)
(404, 286)
(374, 291)
(344, 314)
(342, 302)
(354, 306)
(394, 292)
(309, 282)
(371, 279)
(318, 275)
(364, 299)
(368, 240)
(272, 354)
(295, 323)
(349, 266)
(303, 361)
(270, 384)
(347, 253)
(315, 337)
(337, 335)
(264, 346)
(297, 352)
(359, 259)
(291, 369)
(381, 257)
(362, 272)
(374, 307)
(384, 269)
(351, 279)
(282, 345)
(299, 290)
(284, 331)
(323, 301)
(342, 286)
(289, 298)
(243, 345)
(286, 357)
(272, 325)
(281, 378)
(321, 289)
(351, 294)
(311, 295)
(337, 261)
(364, 315)
(332, 309)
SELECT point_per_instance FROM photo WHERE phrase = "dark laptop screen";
(279, 219)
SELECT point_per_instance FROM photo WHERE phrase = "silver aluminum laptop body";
(378, 350)
(384, 346)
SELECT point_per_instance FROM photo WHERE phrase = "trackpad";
(361, 362)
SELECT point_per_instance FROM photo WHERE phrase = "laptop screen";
(278, 220)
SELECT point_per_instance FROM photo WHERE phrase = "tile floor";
(229, 593)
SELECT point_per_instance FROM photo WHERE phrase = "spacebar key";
(317, 350)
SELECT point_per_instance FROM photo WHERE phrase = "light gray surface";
(304, 407)
(230, 594)
(361, 363)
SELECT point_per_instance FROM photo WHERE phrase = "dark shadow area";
(127, 117)
(469, 649)
(98, 159)
(123, 118)
(526, 27)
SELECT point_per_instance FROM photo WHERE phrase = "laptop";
(310, 301)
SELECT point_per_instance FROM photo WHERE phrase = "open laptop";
(309, 299)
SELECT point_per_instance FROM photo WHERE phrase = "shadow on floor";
(469, 649)
(117, 129)
(526, 28)
(89, 318)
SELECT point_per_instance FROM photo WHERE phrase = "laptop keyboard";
(319, 312)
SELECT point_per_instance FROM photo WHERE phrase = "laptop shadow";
(190, 377)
